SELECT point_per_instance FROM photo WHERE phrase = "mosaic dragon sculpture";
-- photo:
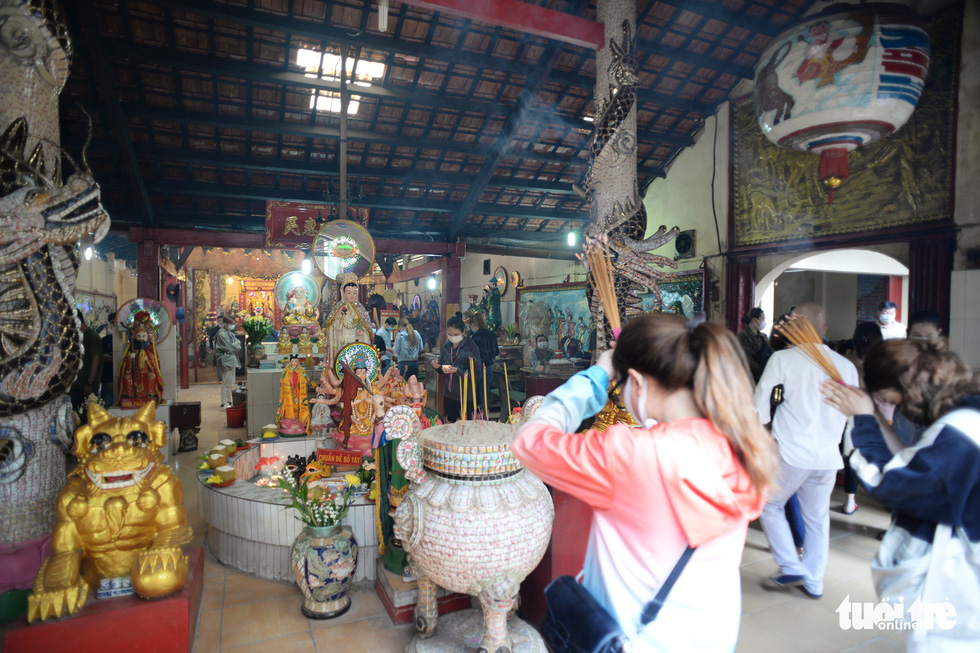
(613, 140)
(41, 222)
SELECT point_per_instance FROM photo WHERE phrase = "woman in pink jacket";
(694, 472)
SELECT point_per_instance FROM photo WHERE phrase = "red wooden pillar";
(739, 290)
(148, 270)
(894, 294)
(452, 292)
(184, 342)
(930, 274)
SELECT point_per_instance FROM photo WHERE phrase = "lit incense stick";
(486, 403)
(473, 387)
(462, 400)
(507, 388)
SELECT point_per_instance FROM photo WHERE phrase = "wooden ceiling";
(200, 112)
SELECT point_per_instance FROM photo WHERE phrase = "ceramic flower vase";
(324, 560)
(255, 354)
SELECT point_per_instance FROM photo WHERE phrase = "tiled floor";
(243, 613)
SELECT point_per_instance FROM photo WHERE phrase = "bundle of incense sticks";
(601, 278)
(801, 334)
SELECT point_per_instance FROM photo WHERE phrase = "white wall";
(533, 271)
(108, 277)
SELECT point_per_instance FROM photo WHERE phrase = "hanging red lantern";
(842, 78)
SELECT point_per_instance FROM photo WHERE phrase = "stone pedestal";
(127, 623)
(461, 631)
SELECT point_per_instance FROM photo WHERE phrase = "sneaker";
(844, 509)
(810, 595)
(783, 581)
(225, 406)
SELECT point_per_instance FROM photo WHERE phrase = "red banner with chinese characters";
(339, 457)
(293, 224)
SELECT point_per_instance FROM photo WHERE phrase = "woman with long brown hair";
(407, 348)
(930, 557)
(694, 473)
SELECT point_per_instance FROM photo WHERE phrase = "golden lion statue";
(120, 517)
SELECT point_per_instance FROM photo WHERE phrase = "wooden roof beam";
(523, 17)
(332, 133)
(83, 14)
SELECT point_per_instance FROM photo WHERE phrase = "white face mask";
(402, 330)
(542, 345)
(231, 327)
(762, 325)
(639, 413)
(885, 318)
(455, 339)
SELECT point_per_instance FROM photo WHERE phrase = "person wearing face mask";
(808, 433)
(931, 552)
(694, 473)
(408, 346)
(385, 333)
(226, 348)
(541, 353)
(924, 325)
(891, 329)
(454, 364)
(754, 341)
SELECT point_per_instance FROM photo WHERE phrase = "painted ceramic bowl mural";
(343, 247)
(845, 77)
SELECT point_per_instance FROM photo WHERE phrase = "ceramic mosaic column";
(41, 221)
(611, 184)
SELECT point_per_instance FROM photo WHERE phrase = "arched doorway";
(849, 283)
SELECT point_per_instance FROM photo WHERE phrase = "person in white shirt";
(808, 433)
(385, 334)
(890, 328)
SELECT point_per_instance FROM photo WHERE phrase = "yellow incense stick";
(473, 387)
(462, 399)
(507, 388)
(486, 404)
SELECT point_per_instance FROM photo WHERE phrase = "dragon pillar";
(41, 221)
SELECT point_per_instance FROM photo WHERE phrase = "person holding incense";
(454, 365)
(930, 556)
(808, 433)
(694, 473)
(486, 341)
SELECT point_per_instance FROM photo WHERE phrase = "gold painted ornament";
(120, 517)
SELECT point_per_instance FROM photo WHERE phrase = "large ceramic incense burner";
(474, 521)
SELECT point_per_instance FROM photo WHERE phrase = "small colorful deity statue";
(305, 343)
(140, 381)
(285, 343)
(327, 395)
(120, 522)
(294, 407)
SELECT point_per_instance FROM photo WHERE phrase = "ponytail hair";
(412, 338)
(707, 360)
(753, 314)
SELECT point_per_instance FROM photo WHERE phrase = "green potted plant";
(324, 556)
(256, 329)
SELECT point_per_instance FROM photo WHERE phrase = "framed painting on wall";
(682, 296)
(96, 307)
(559, 310)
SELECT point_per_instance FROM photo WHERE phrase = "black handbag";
(576, 623)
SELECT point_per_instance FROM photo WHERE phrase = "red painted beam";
(419, 271)
(523, 17)
(192, 238)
